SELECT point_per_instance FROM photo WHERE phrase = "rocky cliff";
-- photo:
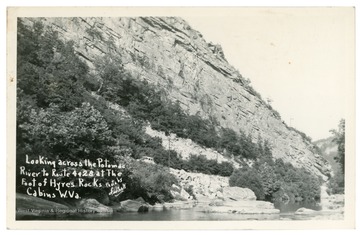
(167, 52)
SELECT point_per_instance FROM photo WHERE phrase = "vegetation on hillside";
(336, 183)
(58, 118)
(339, 139)
(277, 181)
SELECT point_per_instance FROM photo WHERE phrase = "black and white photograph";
(182, 114)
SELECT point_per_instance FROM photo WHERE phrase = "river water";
(292, 207)
(286, 213)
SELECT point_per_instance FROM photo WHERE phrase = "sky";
(300, 58)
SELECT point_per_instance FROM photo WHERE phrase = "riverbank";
(227, 208)
(232, 200)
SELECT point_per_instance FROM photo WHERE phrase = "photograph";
(182, 114)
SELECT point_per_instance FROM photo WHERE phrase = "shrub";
(151, 182)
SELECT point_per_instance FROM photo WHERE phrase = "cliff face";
(169, 53)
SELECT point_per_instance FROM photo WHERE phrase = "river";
(286, 213)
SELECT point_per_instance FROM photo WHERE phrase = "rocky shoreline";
(233, 200)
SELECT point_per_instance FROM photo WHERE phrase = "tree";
(48, 69)
(269, 180)
(151, 182)
(336, 183)
(340, 141)
(247, 177)
(80, 133)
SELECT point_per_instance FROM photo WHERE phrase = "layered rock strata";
(167, 52)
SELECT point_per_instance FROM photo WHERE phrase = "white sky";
(301, 58)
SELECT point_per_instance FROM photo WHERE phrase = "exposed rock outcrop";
(214, 195)
(238, 194)
(237, 200)
(186, 147)
(167, 52)
(179, 193)
(203, 186)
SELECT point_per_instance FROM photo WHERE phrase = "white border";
(134, 2)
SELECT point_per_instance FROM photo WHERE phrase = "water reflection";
(187, 215)
(292, 207)
(166, 215)
(287, 213)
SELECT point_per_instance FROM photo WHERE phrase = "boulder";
(219, 194)
(137, 205)
(185, 194)
(238, 194)
(175, 192)
(179, 193)
(90, 205)
(304, 211)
